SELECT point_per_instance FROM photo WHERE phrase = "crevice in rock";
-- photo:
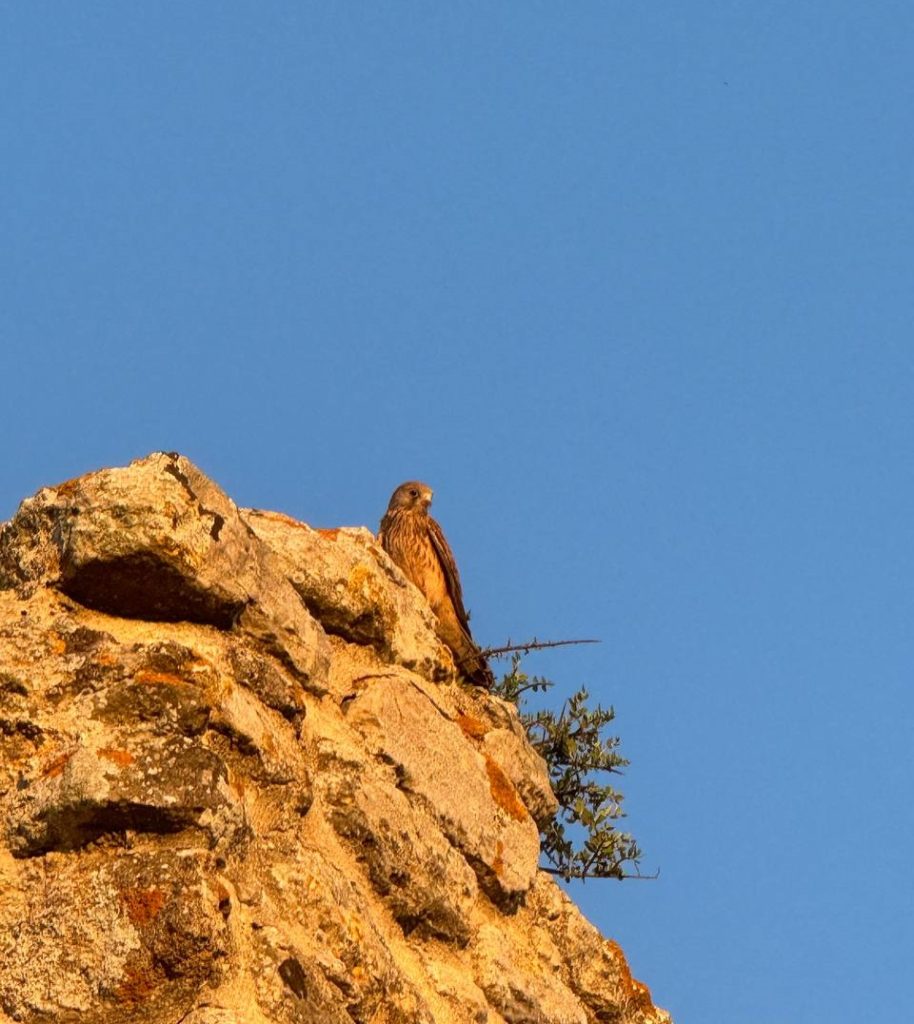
(293, 976)
(13, 685)
(76, 826)
(362, 630)
(141, 586)
(486, 875)
(173, 470)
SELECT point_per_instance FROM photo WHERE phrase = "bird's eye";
(413, 493)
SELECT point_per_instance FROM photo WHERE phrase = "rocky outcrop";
(240, 783)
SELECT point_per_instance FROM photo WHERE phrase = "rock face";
(241, 784)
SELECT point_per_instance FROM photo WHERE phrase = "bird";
(417, 544)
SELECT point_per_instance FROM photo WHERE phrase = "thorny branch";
(531, 645)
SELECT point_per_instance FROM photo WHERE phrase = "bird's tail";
(467, 656)
(474, 666)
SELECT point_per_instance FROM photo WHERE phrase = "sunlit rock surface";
(241, 784)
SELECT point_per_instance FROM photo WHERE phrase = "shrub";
(577, 752)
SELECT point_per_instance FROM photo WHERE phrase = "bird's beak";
(427, 498)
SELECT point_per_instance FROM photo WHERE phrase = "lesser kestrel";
(417, 544)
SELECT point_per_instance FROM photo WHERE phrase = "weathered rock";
(519, 994)
(475, 804)
(239, 783)
(502, 740)
(160, 541)
(110, 939)
(463, 1001)
(76, 796)
(428, 886)
(594, 968)
(354, 591)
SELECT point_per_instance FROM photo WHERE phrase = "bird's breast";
(407, 542)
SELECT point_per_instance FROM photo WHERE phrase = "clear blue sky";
(632, 286)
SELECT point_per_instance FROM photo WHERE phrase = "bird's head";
(411, 495)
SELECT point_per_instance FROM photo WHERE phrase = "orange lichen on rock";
(281, 517)
(143, 905)
(641, 996)
(121, 758)
(498, 861)
(472, 728)
(138, 984)
(625, 974)
(635, 994)
(57, 766)
(69, 487)
(57, 643)
(329, 534)
(503, 792)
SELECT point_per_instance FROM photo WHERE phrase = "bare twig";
(581, 875)
(531, 645)
(644, 878)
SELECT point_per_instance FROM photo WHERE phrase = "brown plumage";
(416, 543)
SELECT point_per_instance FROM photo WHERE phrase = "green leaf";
(576, 753)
